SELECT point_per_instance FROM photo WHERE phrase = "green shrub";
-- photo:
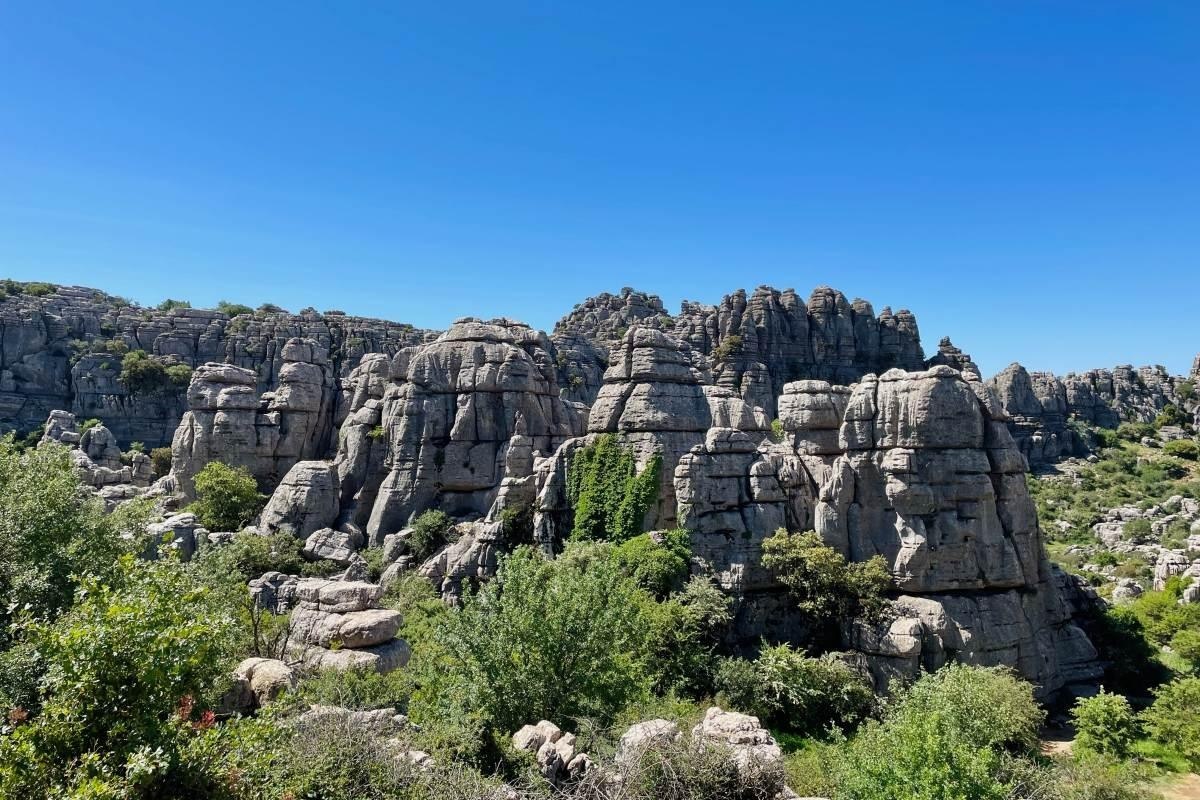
(271, 308)
(430, 532)
(1135, 431)
(227, 498)
(377, 432)
(947, 737)
(658, 562)
(160, 460)
(128, 671)
(1105, 725)
(787, 689)
(356, 689)
(823, 583)
(609, 496)
(1185, 390)
(777, 431)
(1137, 530)
(38, 288)
(729, 347)
(1174, 718)
(233, 309)
(249, 555)
(1186, 644)
(142, 374)
(685, 632)
(557, 640)
(117, 347)
(1182, 448)
(1170, 415)
(170, 304)
(88, 424)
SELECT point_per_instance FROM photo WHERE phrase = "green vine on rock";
(610, 497)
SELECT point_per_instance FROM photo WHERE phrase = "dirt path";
(1184, 787)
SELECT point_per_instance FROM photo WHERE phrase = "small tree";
(557, 640)
(227, 498)
(233, 309)
(823, 583)
(171, 304)
(1174, 717)
(657, 561)
(429, 532)
(1105, 725)
(1182, 448)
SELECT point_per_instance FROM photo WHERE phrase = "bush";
(1135, 431)
(1182, 448)
(170, 304)
(1174, 718)
(160, 460)
(227, 498)
(729, 347)
(1170, 415)
(430, 532)
(1186, 644)
(249, 555)
(271, 308)
(946, 737)
(609, 496)
(684, 633)
(129, 670)
(557, 640)
(142, 374)
(1105, 725)
(658, 562)
(1137, 530)
(233, 309)
(785, 688)
(823, 583)
(356, 689)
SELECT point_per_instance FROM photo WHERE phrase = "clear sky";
(1024, 176)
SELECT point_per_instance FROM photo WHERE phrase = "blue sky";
(1024, 176)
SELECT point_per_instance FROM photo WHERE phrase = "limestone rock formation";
(63, 350)
(950, 356)
(304, 502)
(750, 744)
(459, 416)
(933, 482)
(229, 421)
(336, 625)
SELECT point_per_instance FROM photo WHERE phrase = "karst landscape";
(771, 547)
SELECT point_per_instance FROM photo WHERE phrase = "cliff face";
(63, 350)
(1042, 404)
(753, 344)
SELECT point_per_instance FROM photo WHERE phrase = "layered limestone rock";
(760, 342)
(337, 625)
(229, 421)
(932, 481)
(63, 350)
(1042, 404)
(459, 416)
(98, 460)
(950, 356)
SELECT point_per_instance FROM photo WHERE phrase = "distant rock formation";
(63, 350)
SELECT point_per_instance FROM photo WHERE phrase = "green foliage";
(127, 670)
(609, 496)
(1121, 640)
(658, 562)
(1186, 644)
(160, 460)
(143, 374)
(777, 431)
(1135, 431)
(787, 689)
(51, 533)
(729, 347)
(946, 738)
(1185, 390)
(1105, 725)
(430, 532)
(117, 347)
(271, 308)
(88, 424)
(544, 640)
(1182, 448)
(36, 289)
(684, 633)
(1163, 616)
(1170, 415)
(823, 583)
(171, 304)
(356, 689)
(233, 309)
(227, 498)
(1174, 718)
(377, 432)
(249, 555)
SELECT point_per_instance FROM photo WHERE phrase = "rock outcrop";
(229, 421)
(336, 625)
(61, 348)
(932, 481)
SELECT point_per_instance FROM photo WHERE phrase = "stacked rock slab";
(1037, 408)
(451, 413)
(97, 458)
(932, 481)
(950, 356)
(228, 421)
(337, 625)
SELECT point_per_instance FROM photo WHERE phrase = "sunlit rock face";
(459, 415)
